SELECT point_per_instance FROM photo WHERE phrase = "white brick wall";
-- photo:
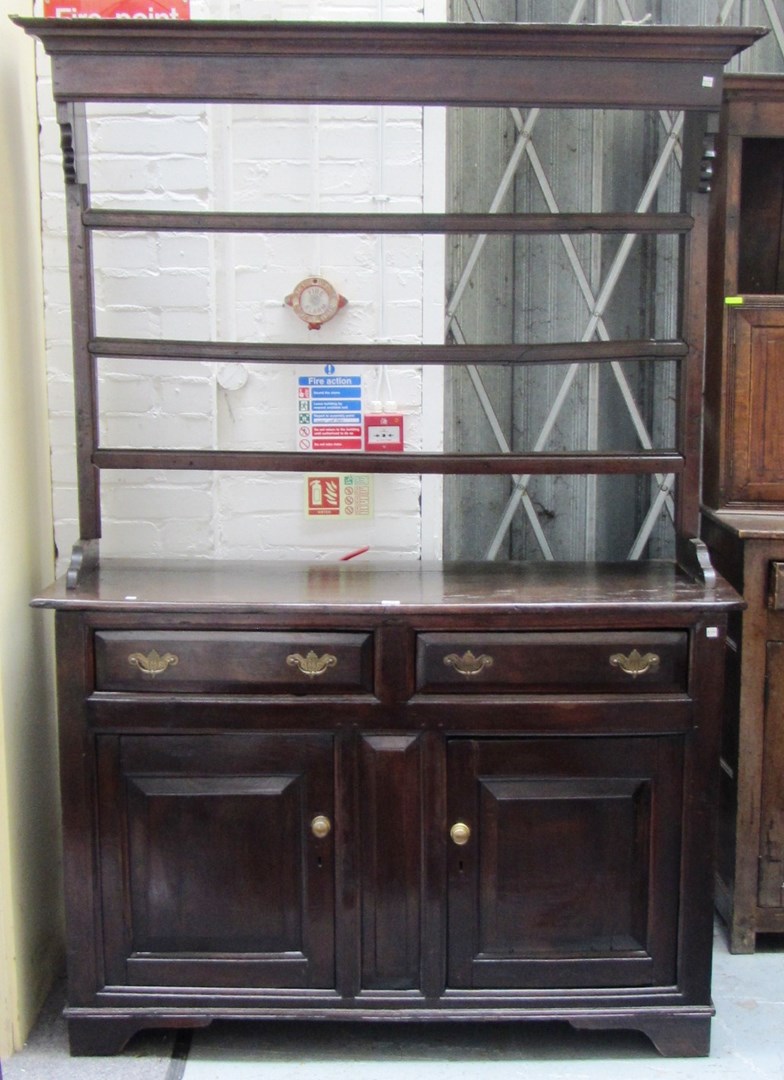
(224, 287)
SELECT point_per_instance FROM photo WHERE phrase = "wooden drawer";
(196, 661)
(776, 598)
(554, 662)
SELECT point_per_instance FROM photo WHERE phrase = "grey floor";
(747, 1044)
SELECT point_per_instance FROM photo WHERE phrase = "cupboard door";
(552, 883)
(756, 404)
(771, 879)
(212, 871)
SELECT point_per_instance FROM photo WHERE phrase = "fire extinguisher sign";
(117, 9)
(339, 495)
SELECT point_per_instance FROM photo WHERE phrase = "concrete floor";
(747, 1044)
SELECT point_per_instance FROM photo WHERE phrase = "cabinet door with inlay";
(554, 848)
(216, 856)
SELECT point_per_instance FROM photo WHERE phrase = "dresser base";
(673, 1034)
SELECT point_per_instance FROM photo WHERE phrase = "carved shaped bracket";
(707, 162)
(700, 138)
(72, 121)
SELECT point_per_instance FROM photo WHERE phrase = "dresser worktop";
(370, 586)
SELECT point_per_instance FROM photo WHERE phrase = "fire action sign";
(117, 9)
(329, 412)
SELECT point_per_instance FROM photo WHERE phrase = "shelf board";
(415, 462)
(448, 355)
(245, 222)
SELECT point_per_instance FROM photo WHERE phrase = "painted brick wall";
(221, 287)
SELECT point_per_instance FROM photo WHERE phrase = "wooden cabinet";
(744, 431)
(499, 843)
(744, 492)
(749, 550)
(426, 791)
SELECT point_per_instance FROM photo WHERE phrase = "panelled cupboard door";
(214, 867)
(551, 882)
(755, 412)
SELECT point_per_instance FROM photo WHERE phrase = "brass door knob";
(460, 833)
(320, 826)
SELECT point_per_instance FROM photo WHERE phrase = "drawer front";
(190, 661)
(777, 586)
(600, 662)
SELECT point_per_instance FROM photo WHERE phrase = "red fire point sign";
(117, 9)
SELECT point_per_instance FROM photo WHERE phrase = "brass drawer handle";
(468, 664)
(635, 663)
(321, 826)
(312, 665)
(153, 663)
(460, 833)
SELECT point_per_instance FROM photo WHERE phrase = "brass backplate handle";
(635, 663)
(460, 833)
(468, 664)
(311, 664)
(152, 663)
(321, 826)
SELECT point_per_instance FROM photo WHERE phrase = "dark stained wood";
(411, 461)
(196, 885)
(298, 594)
(392, 832)
(536, 64)
(673, 1035)
(749, 550)
(564, 42)
(744, 491)
(608, 808)
(771, 885)
(744, 431)
(198, 221)
(73, 128)
(214, 792)
(595, 352)
(695, 271)
(543, 663)
(754, 448)
(760, 267)
(251, 904)
(233, 662)
(451, 64)
(74, 683)
(97, 1036)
